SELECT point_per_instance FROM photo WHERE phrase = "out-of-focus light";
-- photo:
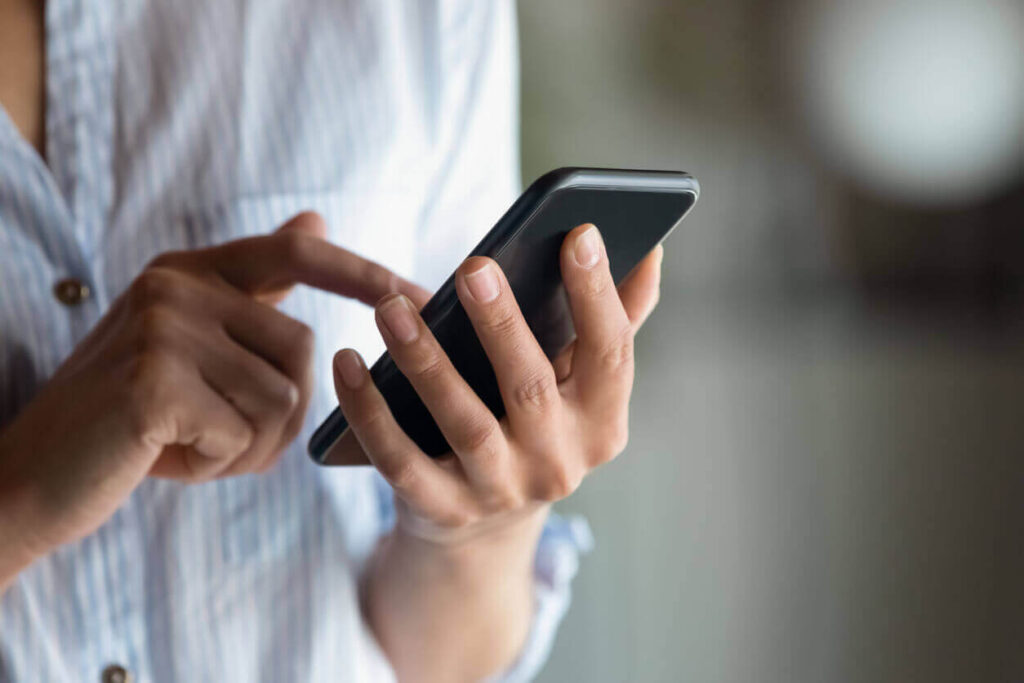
(918, 99)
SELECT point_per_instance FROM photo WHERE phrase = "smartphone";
(634, 210)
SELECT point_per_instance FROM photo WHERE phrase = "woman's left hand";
(564, 417)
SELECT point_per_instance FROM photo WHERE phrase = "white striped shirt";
(183, 123)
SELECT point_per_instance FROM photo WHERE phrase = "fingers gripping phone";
(634, 210)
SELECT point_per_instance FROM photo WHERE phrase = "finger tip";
(574, 234)
(420, 298)
(656, 258)
(349, 369)
(388, 298)
(473, 264)
(582, 249)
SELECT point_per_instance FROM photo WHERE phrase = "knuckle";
(615, 440)
(430, 366)
(536, 393)
(560, 481)
(372, 421)
(149, 372)
(155, 286)
(303, 339)
(476, 438)
(151, 286)
(369, 421)
(617, 356)
(300, 344)
(148, 379)
(168, 259)
(400, 472)
(244, 438)
(295, 246)
(284, 396)
(490, 461)
(298, 353)
(505, 500)
(595, 285)
(156, 324)
(197, 467)
(501, 323)
(379, 278)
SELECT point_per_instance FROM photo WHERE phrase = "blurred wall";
(824, 481)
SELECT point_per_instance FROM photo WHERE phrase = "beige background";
(821, 485)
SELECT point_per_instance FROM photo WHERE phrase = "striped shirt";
(176, 125)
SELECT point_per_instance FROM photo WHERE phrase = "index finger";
(275, 262)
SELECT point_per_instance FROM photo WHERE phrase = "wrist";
(17, 550)
(500, 528)
(19, 545)
(504, 543)
(479, 583)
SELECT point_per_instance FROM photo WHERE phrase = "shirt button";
(71, 291)
(115, 673)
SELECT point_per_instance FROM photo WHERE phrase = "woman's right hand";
(192, 374)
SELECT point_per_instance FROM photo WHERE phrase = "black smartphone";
(634, 210)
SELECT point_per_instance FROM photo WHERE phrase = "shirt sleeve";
(555, 564)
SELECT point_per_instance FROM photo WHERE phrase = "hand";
(192, 374)
(564, 418)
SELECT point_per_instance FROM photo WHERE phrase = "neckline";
(12, 138)
(7, 128)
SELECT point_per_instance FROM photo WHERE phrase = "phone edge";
(334, 426)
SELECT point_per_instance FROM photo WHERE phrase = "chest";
(22, 67)
(180, 125)
(192, 111)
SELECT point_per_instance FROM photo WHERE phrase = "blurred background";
(825, 479)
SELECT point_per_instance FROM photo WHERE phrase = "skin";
(449, 593)
(194, 374)
(21, 67)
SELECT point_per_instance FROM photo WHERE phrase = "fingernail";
(397, 316)
(483, 284)
(588, 248)
(350, 368)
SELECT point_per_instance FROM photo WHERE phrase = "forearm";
(457, 612)
(13, 558)
(450, 613)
